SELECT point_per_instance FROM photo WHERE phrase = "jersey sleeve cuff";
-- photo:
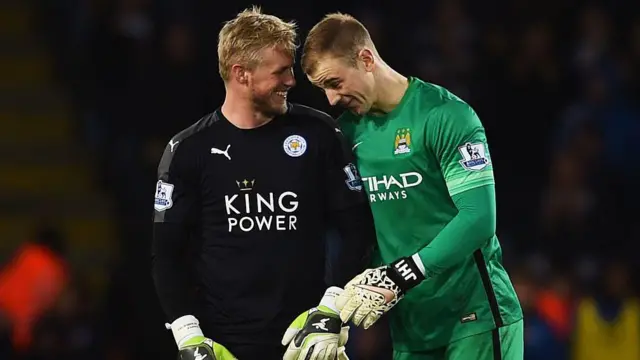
(471, 181)
(416, 258)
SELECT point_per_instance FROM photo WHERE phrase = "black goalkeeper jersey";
(256, 204)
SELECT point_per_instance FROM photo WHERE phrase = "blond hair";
(242, 38)
(337, 35)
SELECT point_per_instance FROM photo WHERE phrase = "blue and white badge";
(354, 181)
(474, 156)
(164, 191)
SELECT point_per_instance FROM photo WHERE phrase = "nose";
(332, 96)
(289, 79)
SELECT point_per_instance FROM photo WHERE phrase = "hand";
(193, 345)
(201, 348)
(371, 294)
(317, 334)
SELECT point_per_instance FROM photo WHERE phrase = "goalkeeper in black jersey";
(252, 188)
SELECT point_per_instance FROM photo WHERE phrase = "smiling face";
(344, 84)
(255, 58)
(270, 80)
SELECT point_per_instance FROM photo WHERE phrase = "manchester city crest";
(402, 144)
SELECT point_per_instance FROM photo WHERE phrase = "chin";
(281, 109)
(278, 104)
(271, 107)
(360, 108)
(358, 111)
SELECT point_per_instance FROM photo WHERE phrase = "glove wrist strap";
(405, 273)
(185, 328)
(329, 298)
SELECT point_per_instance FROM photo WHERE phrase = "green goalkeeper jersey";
(413, 160)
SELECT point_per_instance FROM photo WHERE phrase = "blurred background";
(92, 90)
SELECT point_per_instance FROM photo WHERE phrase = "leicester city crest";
(474, 156)
(295, 145)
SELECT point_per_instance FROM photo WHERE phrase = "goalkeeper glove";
(371, 294)
(192, 345)
(318, 333)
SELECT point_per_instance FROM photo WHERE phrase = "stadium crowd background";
(93, 90)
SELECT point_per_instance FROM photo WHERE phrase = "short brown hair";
(337, 35)
(242, 38)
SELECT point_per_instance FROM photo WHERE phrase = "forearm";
(169, 270)
(376, 291)
(358, 237)
(474, 224)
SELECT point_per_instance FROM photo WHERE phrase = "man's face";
(349, 86)
(270, 80)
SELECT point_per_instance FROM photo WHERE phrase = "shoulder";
(348, 123)
(453, 120)
(179, 144)
(444, 107)
(318, 120)
(324, 125)
(433, 97)
(318, 117)
(454, 108)
(190, 134)
(348, 119)
(433, 93)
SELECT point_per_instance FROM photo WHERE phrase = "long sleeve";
(174, 208)
(474, 224)
(348, 209)
(357, 234)
(459, 142)
(169, 270)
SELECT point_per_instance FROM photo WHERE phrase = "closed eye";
(332, 83)
(283, 70)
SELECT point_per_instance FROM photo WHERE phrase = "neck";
(390, 88)
(240, 111)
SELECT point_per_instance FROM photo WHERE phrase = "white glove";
(371, 294)
(318, 334)
(192, 344)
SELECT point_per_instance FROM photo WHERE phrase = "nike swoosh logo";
(356, 145)
(388, 294)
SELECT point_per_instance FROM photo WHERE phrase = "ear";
(239, 73)
(367, 58)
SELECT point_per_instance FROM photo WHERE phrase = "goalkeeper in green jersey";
(425, 164)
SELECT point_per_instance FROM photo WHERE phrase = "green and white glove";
(318, 334)
(192, 344)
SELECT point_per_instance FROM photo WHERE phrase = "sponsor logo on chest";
(391, 187)
(250, 210)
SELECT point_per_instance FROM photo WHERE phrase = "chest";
(263, 171)
(394, 149)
